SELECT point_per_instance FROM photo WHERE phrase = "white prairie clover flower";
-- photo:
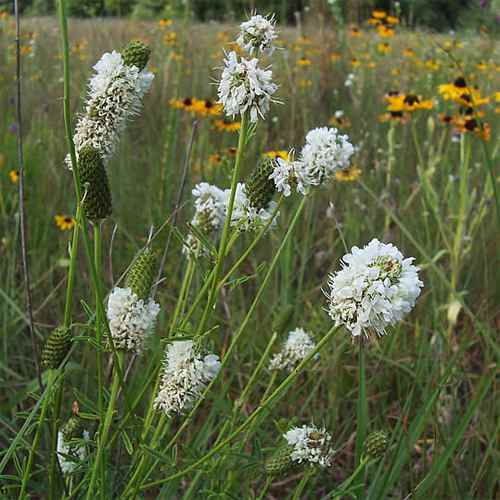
(130, 319)
(325, 152)
(283, 176)
(115, 96)
(298, 345)
(258, 35)
(185, 376)
(375, 288)
(245, 216)
(245, 87)
(69, 453)
(310, 445)
(209, 207)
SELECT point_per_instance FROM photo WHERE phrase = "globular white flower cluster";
(209, 203)
(258, 35)
(70, 454)
(114, 97)
(324, 152)
(310, 445)
(245, 216)
(245, 87)
(185, 376)
(283, 176)
(375, 289)
(130, 319)
(298, 345)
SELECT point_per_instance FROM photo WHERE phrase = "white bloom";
(298, 345)
(349, 80)
(311, 445)
(130, 319)
(245, 87)
(70, 454)
(282, 175)
(114, 97)
(209, 206)
(245, 216)
(375, 289)
(257, 35)
(185, 376)
(325, 152)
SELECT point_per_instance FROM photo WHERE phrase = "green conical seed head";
(56, 347)
(141, 275)
(280, 462)
(73, 428)
(376, 443)
(259, 188)
(95, 186)
(136, 54)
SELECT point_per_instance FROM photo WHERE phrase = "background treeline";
(435, 14)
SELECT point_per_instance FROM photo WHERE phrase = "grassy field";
(423, 177)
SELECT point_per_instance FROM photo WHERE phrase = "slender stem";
(297, 495)
(22, 208)
(227, 224)
(98, 318)
(362, 411)
(104, 430)
(341, 489)
(279, 392)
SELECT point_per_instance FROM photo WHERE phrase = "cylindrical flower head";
(311, 445)
(97, 203)
(325, 152)
(56, 348)
(375, 289)
(185, 376)
(71, 452)
(245, 87)
(136, 54)
(280, 462)
(257, 35)
(376, 443)
(260, 188)
(142, 273)
(131, 319)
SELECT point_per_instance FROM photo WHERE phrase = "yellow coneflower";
(371, 64)
(461, 93)
(392, 20)
(472, 125)
(481, 66)
(335, 56)
(354, 31)
(408, 102)
(225, 125)
(431, 64)
(373, 22)
(303, 61)
(176, 56)
(379, 14)
(355, 62)
(340, 121)
(64, 222)
(170, 38)
(384, 48)
(14, 176)
(277, 154)
(349, 174)
(409, 52)
(397, 116)
(206, 107)
(215, 159)
(231, 151)
(385, 31)
(186, 104)
(165, 23)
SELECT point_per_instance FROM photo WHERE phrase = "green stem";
(227, 224)
(297, 494)
(104, 430)
(98, 318)
(362, 411)
(341, 489)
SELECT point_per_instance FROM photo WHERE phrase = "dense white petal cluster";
(130, 319)
(245, 87)
(245, 216)
(209, 206)
(185, 376)
(297, 346)
(375, 288)
(325, 152)
(258, 35)
(283, 176)
(70, 454)
(114, 97)
(310, 445)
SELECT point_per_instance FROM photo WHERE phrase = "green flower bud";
(259, 188)
(56, 347)
(376, 443)
(136, 54)
(73, 428)
(94, 183)
(280, 462)
(141, 275)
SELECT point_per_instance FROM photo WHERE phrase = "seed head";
(136, 54)
(56, 347)
(376, 443)
(141, 275)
